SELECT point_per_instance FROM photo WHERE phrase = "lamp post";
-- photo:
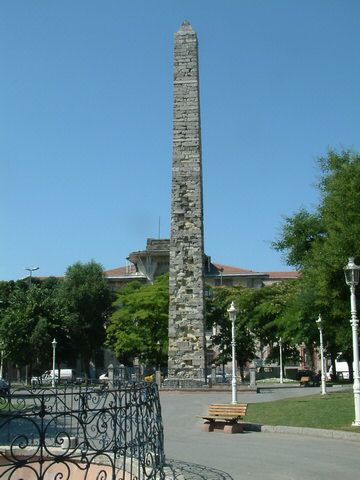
(53, 343)
(323, 379)
(352, 279)
(2, 359)
(31, 269)
(1, 352)
(232, 315)
(158, 367)
(281, 363)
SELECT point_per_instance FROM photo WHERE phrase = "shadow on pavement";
(178, 470)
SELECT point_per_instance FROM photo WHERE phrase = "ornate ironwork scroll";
(82, 433)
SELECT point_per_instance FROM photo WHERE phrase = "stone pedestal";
(158, 378)
(226, 427)
(252, 376)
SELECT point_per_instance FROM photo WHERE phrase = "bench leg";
(233, 428)
(208, 427)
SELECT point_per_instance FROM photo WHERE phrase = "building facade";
(146, 265)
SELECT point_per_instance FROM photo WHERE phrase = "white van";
(342, 370)
(67, 375)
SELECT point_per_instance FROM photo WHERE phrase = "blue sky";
(86, 123)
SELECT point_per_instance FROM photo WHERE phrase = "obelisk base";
(185, 383)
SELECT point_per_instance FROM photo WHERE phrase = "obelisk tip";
(186, 27)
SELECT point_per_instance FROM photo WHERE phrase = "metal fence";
(123, 373)
(83, 433)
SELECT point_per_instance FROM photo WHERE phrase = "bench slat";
(227, 414)
(234, 409)
(227, 408)
(227, 411)
(227, 419)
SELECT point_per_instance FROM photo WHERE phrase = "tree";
(266, 307)
(31, 318)
(299, 232)
(217, 304)
(138, 326)
(88, 299)
(332, 233)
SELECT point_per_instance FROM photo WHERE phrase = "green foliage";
(298, 235)
(138, 326)
(268, 304)
(320, 243)
(72, 310)
(88, 298)
(32, 318)
(6, 288)
(217, 304)
(259, 312)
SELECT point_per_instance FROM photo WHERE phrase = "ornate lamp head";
(351, 271)
(232, 312)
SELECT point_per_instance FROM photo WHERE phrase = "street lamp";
(323, 379)
(281, 363)
(31, 269)
(232, 314)
(53, 343)
(1, 352)
(2, 358)
(352, 279)
(158, 366)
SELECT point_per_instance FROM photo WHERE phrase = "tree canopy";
(320, 243)
(138, 326)
(217, 305)
(257, 321)
(88, 299)
(73, 311)
(31, 318)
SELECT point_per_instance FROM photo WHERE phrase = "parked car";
(4, 387)
(67, 375)
(104, 377)
(342, 371)
(220, 378)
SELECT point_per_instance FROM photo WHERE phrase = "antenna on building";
(159, 228)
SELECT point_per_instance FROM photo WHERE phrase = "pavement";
(258, 453)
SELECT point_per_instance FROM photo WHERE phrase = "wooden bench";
(309, 382)
(304, 381)
(225, 417)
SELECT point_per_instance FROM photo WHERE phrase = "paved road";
(250, 455)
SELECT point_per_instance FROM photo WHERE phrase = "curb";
(207, 390)
(311, 432)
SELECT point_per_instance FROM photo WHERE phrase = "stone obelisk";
(186, 365)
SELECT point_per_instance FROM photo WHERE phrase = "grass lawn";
(333, 411)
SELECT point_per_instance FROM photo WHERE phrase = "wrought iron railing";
(124, 373)
(82, 433)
